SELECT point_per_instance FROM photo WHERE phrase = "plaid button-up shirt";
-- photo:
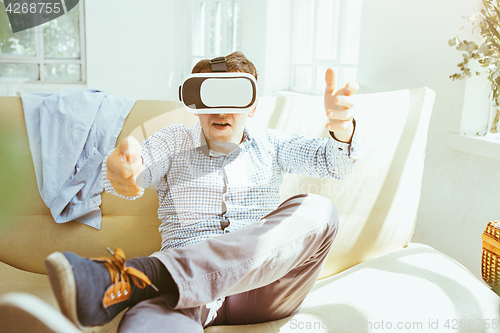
(203, 193)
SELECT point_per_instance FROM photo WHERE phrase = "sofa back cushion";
(378, 202)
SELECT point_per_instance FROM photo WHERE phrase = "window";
(325, 34)
(52, 52)
(214, 29)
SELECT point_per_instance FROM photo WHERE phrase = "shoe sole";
(63, 284)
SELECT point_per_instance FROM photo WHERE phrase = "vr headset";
(219, 91)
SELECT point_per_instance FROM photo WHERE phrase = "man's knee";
(323, 207)
(319, 209)
(324, 215)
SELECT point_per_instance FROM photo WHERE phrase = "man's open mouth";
(221, 125)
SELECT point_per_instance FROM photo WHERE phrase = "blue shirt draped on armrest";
(69, 133)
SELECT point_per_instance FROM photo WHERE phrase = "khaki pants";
(255, 274)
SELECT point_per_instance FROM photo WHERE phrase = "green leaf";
(491, 27)
(462, 46)
(471, 46)
(484, 50)
(494, 76)
(497, 10)
(487, 4)
(494, 44)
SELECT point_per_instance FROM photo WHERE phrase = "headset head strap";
(218, 65)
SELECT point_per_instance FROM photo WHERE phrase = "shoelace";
(120, 277)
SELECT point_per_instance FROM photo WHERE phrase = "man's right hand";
(124, 164)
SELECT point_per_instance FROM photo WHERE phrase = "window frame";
(236, 31)
(40, 60)
(339, 63)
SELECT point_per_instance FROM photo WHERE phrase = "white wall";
(143, 51)
(133, 50)
(404, 45)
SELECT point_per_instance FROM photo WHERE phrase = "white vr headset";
(219, 91)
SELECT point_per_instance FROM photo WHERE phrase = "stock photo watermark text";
(364, 324)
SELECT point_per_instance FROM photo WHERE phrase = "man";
(231, 253)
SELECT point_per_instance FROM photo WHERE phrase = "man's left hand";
(339, 107)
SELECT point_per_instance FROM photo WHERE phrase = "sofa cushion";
(378, 202)
(413, 289)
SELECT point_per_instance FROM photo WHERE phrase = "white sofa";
(374, 279)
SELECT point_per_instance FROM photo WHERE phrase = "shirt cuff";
(353, 147)
(353, 131)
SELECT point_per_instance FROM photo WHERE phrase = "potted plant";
(487, 54)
